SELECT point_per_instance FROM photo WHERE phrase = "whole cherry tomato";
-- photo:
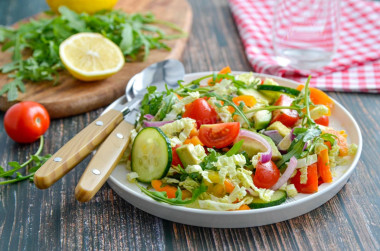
(266, 175)
(219, 135)
(26, 121)
(201, 112)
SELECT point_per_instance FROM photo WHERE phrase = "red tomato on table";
(219, 135)
(201, 112)
(266, 175)
(26, 121)
(285, 116)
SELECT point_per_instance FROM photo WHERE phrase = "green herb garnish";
(34, 163)
(162, 197)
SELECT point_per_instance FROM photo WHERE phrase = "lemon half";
(91, 56)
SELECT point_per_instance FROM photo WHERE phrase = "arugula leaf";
(162, 197)
(151, 102)
(73, 19)
(167, 104)
(35, 159)
(235, 148)
(211, 157)
(12, 89)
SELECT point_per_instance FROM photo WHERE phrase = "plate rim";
(339, 183)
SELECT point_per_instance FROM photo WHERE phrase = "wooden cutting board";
(73, 97)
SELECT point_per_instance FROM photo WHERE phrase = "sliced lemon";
(90, 56)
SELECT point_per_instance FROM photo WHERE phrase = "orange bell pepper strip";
(244, 207)
(248, 100)
(229, 187)
(194, 132)
(318, 97)
(311, 185)
(193, 140)
(324, 166)
(170, 190)
(225, 70)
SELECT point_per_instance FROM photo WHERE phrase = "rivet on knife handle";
(102, 164)
(76, 149)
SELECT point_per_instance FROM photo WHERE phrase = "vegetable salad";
(234, 142)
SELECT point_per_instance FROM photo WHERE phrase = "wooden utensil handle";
(76, 149)
(102, 164)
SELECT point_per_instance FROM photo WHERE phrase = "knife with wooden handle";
(102, 164)
(107, 156)
(76, 149)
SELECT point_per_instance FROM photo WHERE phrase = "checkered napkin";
(356, 65)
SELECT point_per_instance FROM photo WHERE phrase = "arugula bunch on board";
(135, 34)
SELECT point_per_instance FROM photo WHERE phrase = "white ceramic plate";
(293, 207)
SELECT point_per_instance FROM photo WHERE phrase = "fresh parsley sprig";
(34, 163)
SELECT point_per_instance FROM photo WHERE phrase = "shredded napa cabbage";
(179, 107)
(178, 131)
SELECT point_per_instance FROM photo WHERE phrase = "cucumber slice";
(151, 154)
(278, 198)
(279, 88)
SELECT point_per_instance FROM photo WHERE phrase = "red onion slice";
(286, 175)
(274, 135)
(264, 156)
(148, 116)
(155, 123)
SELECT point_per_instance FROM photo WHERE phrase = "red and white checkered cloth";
(356, 65)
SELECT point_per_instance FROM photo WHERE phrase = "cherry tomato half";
(219, 135)
(266, 175)
(26, 121)
(285, 116)
(201, 112)
(323, 120)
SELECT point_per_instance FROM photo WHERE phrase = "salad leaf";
(151, 102)
(207, 163)
(235, 148)
(167, 103)
(162, 197)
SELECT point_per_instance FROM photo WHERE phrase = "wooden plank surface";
(31, 219)
(73, 97)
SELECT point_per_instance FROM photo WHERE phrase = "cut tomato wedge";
(285, 116)
(219, 135)
(201, 112)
